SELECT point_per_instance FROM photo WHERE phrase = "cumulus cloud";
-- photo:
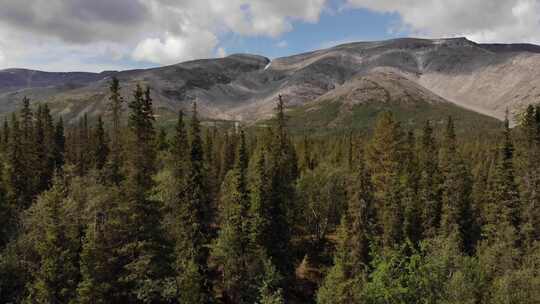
(79, 21)
(479, 20)
(158, 31)
(221, 52)
(172, 49)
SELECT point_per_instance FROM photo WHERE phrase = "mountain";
(442, 74)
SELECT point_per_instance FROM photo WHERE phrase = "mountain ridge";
(486, 78)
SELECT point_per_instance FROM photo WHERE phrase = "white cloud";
(173, 49)
(221, 52)
(40, 32)
(479, 20)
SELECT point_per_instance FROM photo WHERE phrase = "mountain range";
(438, 76)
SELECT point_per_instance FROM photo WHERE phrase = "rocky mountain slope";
(486, 78)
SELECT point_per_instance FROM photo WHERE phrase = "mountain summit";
(486, 78)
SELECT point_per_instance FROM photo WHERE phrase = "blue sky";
(97, 35)
(334, 27)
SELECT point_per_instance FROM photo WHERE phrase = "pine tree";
(100, 261)
(429, 186)
(143, 248)
(504, 207)
(59, 144)
(5, 134)
(385, 161)
(18, 181)
(260, 215)
(115, 161)
(180, 147)
(412, 205)
(162, 144)
(344, 280)
(528, 173)
(7, 217)
(44, 132)
(232, 247)
(192, 233)
(282, 174)
(457, 211)
(28, 151)
(56, 277)
(100, 145)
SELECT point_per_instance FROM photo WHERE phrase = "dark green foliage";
(385, 156)
(345, 280)
(99, 212)
(458, 216)
(429, 184)
(56, 275)
(504, 207)
(115, 160)
(59, 144)
(100, 145)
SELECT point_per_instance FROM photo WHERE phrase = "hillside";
(486, 78)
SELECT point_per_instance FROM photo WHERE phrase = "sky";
(98, 35)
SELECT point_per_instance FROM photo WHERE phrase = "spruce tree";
(5, 134)
(344, 280)
(282, 174)
(115, 161)
(143, 248)
(56, 278)
(429, 185)
(100, 145)
(528, 173)
(18, 180)
(232, 247)
(162, 144)
(412, 205)
(504, 207)
(192, 231)
(59, 144)
(458, 217)
(384, 158)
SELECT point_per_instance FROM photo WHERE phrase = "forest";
(120, 210)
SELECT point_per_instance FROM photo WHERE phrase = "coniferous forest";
(116, 209)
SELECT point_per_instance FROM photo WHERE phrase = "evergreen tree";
(504, 207)
(282, 174)
(528, 173)
(5, 134)
(18, 180)
(192, 233)
(59, 144)
(100, 146)
(162, 143)
(412, 205)
(56, 277)
(344, 281)
(143, 248)
(457, 211)
(429, 186)
(260, 215)
(43, 146)
(100, 261)
(115, 160)
(232, 247)
(385, 161)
